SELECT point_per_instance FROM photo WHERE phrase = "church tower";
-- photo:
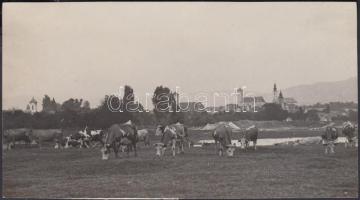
(281, 100)
(32, 106)
(275, 92)
(240, 97)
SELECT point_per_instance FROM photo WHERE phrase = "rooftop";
(258, 99)
(33, 101)
(290, 100)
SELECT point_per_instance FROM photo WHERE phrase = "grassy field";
(299, 171)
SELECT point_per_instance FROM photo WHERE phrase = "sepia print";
(180, 100)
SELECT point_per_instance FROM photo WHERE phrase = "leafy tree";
(128, 98)
(353, 115)
(272, 111)
(50, 106)
(166, 107)
(46, 103)
(327, 108)
(161, 101)
(86, 106)
(72, 105)
(312, 115)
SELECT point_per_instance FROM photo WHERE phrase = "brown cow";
(13, 135)
(46, 135)
(119, 134)
(329, 137)
(144, 136)
(174, 134)
(222, 135)
(250, 135)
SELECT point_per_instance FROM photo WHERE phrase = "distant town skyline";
(89, 50)
(212, 98)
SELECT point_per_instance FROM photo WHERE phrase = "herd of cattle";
(125, 136)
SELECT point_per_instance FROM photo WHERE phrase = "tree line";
(76, 113)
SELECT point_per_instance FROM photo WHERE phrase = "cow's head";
(28, 133)
(170, 131)
(159, 147)
(105, 152)
(159, 130)
(242, 143)
(230, 150)
(67, 140)
(123, 148)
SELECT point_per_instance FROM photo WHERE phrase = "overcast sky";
(87, 50)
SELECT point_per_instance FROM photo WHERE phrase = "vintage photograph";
(179, 100)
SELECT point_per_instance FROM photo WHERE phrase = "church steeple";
(275, 89)
(280, 95)
(275, 92)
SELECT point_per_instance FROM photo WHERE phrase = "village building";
(287, 103)
(233, 107)
(252, 104)
(32, 106)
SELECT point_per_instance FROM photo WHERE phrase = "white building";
(32, 106)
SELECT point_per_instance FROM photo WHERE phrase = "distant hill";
(323, 92)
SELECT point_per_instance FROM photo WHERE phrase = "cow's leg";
(216, 149)
(9, 145)
(173, 147)
(220, 149)
(326, 149)
(182, 147)
(353, 142)
(66, 144)
(135, 153)
(147, 141)
(56, 146)
(254, 144)
(13, 144)
(178, 147)
(163, 151)
(116, 150)
(86, 144)
(346, 142)
(332, 148)
(127, 150)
